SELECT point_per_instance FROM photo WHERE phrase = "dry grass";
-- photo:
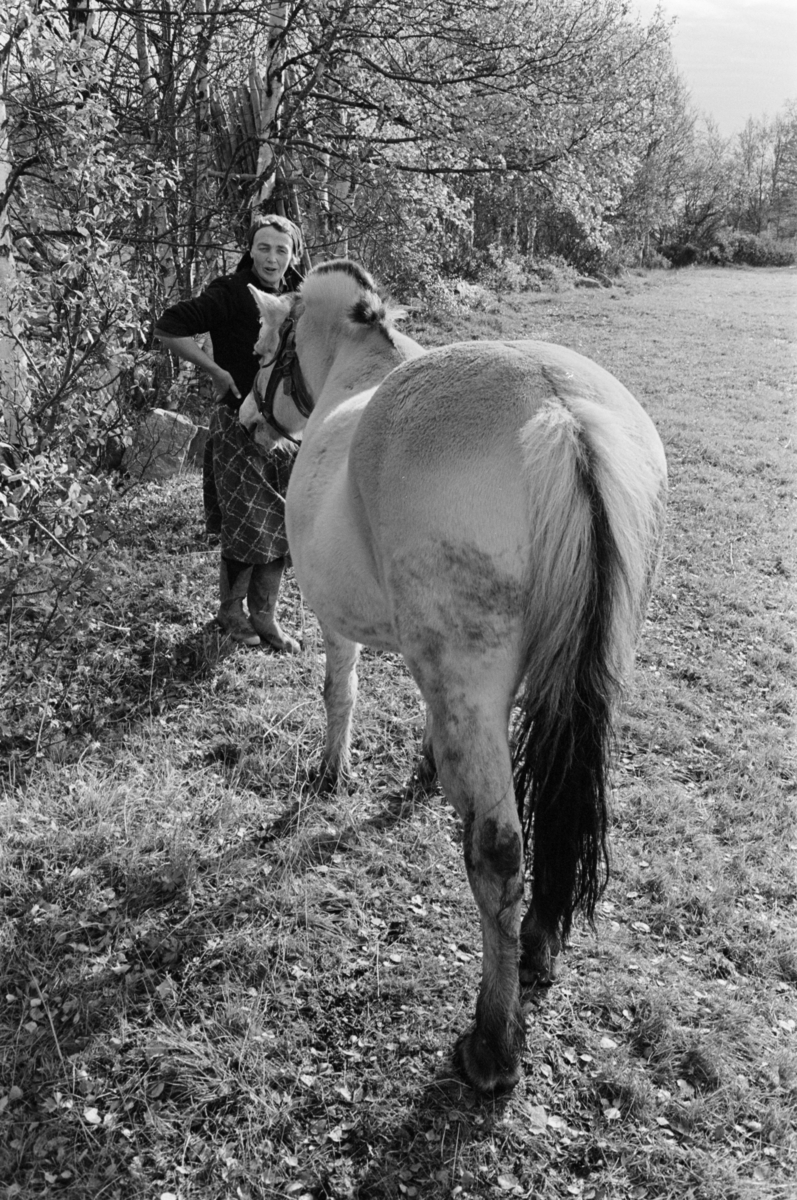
(217, 985)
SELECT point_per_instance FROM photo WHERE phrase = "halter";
(285, 369)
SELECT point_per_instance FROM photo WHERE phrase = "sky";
(738, 57)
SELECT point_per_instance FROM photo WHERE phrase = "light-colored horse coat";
(494, 512)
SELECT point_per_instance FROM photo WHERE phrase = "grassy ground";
(215, 985)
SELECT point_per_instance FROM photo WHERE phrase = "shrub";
(733, 247)
(681, 254)
(556, 273)
(756, 251)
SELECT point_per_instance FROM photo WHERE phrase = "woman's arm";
(189, 350)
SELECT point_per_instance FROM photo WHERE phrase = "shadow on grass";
(143, 678)
(446, 1122)
(317, 848)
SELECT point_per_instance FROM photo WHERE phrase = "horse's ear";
(273, 309)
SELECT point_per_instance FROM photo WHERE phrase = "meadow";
(215, 984)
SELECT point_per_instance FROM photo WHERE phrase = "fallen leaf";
(538, 1119)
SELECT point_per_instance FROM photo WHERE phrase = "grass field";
(213, 984)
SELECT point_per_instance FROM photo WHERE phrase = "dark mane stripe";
(347, 267)
(369, 310)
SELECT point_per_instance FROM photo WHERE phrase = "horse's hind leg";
(340, 695)
(424, 776)
(473, 760)
(540, 952)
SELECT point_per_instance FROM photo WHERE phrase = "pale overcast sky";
(738, 57)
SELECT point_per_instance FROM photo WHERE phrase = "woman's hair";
(269, 220)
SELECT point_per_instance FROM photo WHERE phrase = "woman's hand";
(187, 349)
(223, 383)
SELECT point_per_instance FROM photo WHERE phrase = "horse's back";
(440, 451)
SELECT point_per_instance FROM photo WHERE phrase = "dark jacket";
(227, 311)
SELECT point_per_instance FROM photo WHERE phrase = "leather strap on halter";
(285, 370)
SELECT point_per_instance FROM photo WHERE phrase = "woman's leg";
(263, 593)
(234, 578)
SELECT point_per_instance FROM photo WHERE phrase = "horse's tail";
(596, 508)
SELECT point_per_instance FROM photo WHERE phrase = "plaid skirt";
(244, 489)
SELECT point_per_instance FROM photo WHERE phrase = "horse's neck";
(359, 370)
(406, 347)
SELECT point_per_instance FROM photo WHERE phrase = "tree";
(700, 198)
(645, 213)
(783, 173)
(751, 168)
(13, 384)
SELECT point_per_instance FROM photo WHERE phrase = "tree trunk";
(203, 193)
(150, 97)
(13, 381)
(266, 97)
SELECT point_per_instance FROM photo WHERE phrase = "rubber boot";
(264, 587)
(233, 581)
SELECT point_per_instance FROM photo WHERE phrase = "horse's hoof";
(540, 967)
(422, 781)
(482, 1069)
(323, 781)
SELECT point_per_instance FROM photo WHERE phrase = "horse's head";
(270, 413)
(341, 320)
(274, 311)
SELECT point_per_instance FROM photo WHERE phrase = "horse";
(494, 512)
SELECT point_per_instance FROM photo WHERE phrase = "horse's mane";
(348, 286)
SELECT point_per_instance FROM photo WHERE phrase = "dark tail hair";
(596, 513)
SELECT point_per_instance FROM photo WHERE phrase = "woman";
(243, 486)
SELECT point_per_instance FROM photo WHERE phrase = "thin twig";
(46, 702)
(46, 1008)
(53, 538)
(152, 668)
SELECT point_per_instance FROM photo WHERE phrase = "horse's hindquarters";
(490, 512)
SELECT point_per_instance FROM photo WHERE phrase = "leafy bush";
(556, 273)
(505, 271)
(78, 302)
(732, 246)
(682, 254)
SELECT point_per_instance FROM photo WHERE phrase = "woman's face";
(271, 254)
